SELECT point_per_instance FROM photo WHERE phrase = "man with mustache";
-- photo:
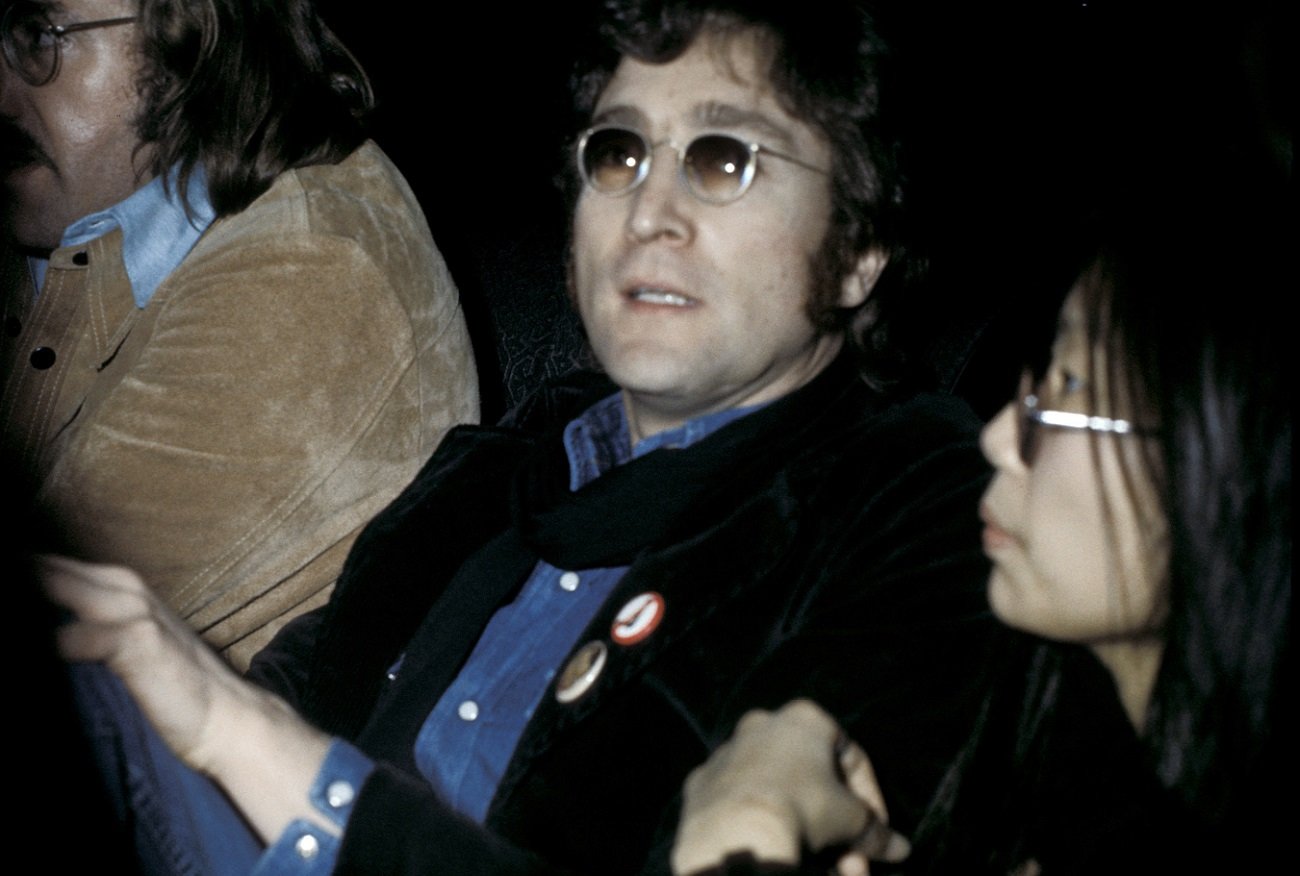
(228, 339)
(531, 648)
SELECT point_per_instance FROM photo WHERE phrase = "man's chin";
(16, 234)
(31, 230)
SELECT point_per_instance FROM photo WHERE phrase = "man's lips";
(657, 295)
(19, 151)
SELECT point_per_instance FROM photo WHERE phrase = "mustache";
(18, 149)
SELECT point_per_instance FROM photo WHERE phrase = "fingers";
(787, 777)
(811, 719)
(107, 603)
(858, 774)
(91, 591)
(116, 619)
(752, 722)
(84, 641)
(880, 843)
(876, 842)
(853, 863)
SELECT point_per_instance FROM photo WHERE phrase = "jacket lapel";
(696, 580)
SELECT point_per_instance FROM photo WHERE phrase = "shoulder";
(919, 424)
(339, 247)
(340, 229)
(868, 442)
(466, 483)
(480, 460)
(361, 192)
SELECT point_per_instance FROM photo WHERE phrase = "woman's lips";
(994, 536)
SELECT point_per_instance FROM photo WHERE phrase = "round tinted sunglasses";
(1033, 420)
(33, 44)
(716, 168)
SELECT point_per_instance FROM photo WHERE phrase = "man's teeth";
(659, 296)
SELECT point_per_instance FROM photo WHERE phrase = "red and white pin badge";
(638, 619)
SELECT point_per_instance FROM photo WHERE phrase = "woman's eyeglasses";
(33, 44)
(1033, 419)
(716, 168)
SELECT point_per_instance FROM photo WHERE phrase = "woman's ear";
(862, 279)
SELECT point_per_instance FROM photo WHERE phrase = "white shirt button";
(339, 794)
(467, 710)
(569, 581)
(307, 847)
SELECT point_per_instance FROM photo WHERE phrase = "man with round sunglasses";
(228, 336)
(531, 648)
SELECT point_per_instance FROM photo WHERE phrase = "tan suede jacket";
(230, 439)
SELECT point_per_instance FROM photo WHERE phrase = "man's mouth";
(660, 296)
(18, 150)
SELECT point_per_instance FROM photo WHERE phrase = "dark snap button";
(13, 326)
(80, 259)
(42, 358)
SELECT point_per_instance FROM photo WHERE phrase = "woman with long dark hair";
(1141, 509)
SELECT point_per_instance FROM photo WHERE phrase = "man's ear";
(862, 279)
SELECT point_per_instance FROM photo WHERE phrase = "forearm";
(246, 739)
(265, 758)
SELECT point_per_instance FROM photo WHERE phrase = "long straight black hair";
(1193, 335)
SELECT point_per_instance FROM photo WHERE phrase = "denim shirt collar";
(599, 439)
(157, 233)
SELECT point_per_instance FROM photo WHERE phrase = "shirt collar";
(599, 439)
(157, 233)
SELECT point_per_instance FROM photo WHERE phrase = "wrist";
(265, 757)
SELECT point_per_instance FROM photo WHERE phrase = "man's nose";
(661, 207)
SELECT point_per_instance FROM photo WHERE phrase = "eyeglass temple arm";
(767, 150)
(61, 29)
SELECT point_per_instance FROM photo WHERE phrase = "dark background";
(1016, 118)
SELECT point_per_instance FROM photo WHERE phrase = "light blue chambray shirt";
(157, 233)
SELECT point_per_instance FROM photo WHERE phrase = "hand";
(784, 779)
(249, 741)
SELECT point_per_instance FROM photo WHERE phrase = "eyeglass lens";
(716, 167)
(29, 46)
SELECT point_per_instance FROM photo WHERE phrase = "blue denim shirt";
(157, 233)
(304, 849)
(468, 739)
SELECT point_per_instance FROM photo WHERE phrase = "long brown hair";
(247, 89)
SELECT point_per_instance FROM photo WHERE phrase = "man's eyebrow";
(51, 8)
(725, 115)
(620, 114)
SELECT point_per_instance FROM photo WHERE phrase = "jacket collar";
(159, 225)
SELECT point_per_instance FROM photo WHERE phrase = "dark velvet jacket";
(825, 546)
